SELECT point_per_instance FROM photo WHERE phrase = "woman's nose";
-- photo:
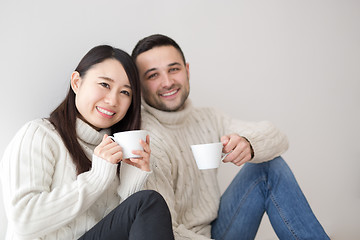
(112, 99)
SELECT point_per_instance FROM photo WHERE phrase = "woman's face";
(103, 95)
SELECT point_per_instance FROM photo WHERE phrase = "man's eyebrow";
(169, 65)
(149, 70)
(174, 63)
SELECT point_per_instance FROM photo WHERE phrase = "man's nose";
(167, 81)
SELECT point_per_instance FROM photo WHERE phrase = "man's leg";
(143, 215)
(269, 187)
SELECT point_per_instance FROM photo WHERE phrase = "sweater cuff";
(102, 172)
(132, 179)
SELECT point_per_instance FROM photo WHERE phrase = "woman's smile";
(104, 112)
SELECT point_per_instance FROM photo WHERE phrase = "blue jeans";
(265, 187)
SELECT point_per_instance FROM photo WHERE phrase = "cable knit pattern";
(193, 195)
(43, 196)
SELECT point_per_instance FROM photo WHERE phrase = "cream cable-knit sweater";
(193, 195)
(43, 196)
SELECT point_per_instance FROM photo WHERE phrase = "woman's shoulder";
(40, 123)
(33, 134)
(37, 128)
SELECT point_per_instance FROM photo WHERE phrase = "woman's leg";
(143, 215)
(270, 187)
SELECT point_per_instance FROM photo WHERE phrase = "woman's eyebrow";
(107, 78)
(112, 80)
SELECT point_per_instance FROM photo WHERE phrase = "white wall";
(295, 63)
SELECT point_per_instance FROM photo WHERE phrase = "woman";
(51, 188)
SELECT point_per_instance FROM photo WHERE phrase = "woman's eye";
(105, 85)
(127, 93)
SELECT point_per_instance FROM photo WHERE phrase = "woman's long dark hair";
(65, 115)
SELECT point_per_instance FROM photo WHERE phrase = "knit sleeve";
(161, 181)
(34, 206)
(265, 138)
(132, 180)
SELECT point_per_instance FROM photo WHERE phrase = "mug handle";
(225, 155)
(112, 138)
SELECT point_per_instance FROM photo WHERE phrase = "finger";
(233, 154)
(143, 155)
(99, 147)
(135, 160)
(241, 145)
(145, 145)
(224, 140)
(112, 147)
(234, 139)
(244, 160)
(228, 144)
(240, 151)
(103, 141)
(115, 158)
(140, 163)
(127, 160)
(228, 158)
(238, 159)
(244, 157)
(110, 151)
(138, 152)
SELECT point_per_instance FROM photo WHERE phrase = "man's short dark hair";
(152, 41)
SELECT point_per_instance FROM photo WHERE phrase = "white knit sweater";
(193, 195)
(43, 196)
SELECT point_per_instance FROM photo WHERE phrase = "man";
(198, 211)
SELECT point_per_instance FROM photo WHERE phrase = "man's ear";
(188, 70)
(75, 81)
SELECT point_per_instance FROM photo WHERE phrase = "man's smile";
(169, 93)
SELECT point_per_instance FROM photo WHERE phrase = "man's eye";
(105, 85)
(173, 69)
(152, 75)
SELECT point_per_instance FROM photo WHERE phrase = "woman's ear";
(75, 81)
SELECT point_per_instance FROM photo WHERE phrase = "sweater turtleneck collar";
(169, 118)
(88, 134)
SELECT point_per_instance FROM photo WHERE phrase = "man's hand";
(240, 148)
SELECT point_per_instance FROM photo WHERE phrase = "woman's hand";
(142, 162)
(109, 150)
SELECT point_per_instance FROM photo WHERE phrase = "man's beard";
(161, 105)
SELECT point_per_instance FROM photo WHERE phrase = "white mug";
(129, 141)
(209, 155)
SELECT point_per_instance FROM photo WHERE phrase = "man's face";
(164, 78)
